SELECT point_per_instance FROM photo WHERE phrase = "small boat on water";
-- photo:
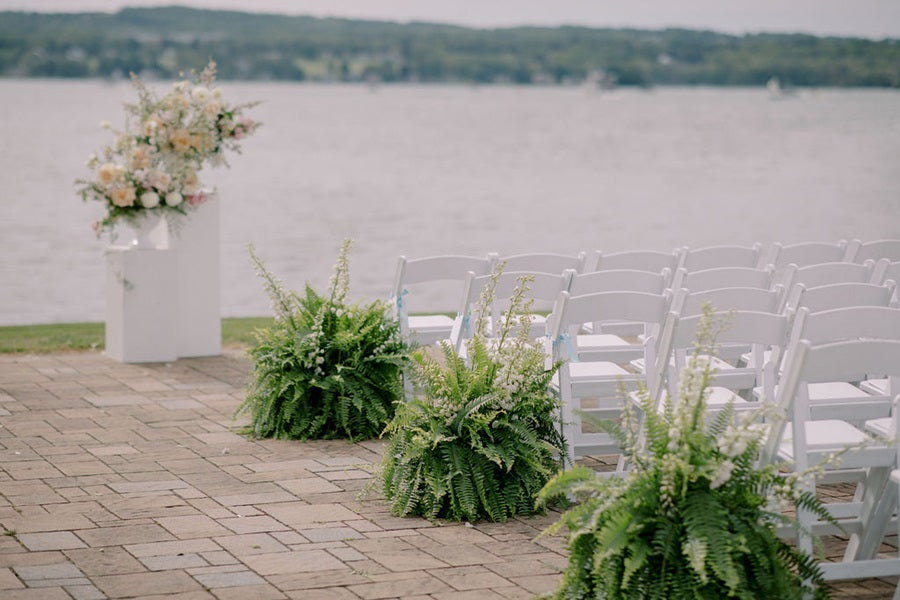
(777, 91)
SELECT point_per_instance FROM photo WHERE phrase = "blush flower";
(108, 174)
(122, 196)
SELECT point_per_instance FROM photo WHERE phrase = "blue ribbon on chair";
(400, 312)
(565, 338)
(467, 324)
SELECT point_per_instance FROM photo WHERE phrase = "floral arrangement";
(696, 516)
(326, 368)
(154, 162)
(485, 437)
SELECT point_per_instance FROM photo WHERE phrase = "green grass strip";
(61, 337)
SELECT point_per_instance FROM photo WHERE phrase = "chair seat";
(879, 387)
(586, 370)
(600, 340)
(882, 427)
(823, 436)
(430, 323)
(833, 391)
(719, 397)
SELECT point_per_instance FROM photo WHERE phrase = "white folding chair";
(652, 261)
(590, 381)
(840, 324)
(808, 436)
(874, 250)
(711, 257)
(807, 253)
(418, 273)
(732, 381)
(829, 273)
(689, 302)
(724, 277)
(617, 280)
(838, 295)
(542, 262)
(542, 287)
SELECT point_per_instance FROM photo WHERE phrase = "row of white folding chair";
(813, 432)
(426, 329)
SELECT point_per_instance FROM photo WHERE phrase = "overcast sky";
(864, 18)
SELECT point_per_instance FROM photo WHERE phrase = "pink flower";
(196, 199)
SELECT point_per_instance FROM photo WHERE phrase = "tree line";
(164, 42)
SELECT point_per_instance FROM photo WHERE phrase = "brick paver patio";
(131, 481)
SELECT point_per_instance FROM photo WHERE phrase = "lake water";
(421, 170)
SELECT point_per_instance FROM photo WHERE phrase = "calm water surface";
(424, 170)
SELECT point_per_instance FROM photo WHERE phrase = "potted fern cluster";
(695, 517)
(326, 368)
(484, 438)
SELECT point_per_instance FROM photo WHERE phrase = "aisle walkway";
(130, 481)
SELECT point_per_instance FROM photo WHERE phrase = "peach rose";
(122, 196)
(109, 173)
(180, 140)
(140, 158)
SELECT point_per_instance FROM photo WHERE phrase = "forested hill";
(165, 41)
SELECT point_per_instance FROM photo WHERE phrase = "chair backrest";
(542, 286)
(807, 253)
(838, 295)
(828, 272)
(847, 323)
(619, 280)
(722, 277)
(639, 260)
(542, 262)
(837, 361)
(710, 257)
(428, 270)
(762, 331)
(687, 302)
(862, 251)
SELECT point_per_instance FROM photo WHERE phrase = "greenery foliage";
(485, 437)
(695, 517)
(325, 369)
(164, 41)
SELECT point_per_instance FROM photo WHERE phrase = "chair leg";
(875, 516)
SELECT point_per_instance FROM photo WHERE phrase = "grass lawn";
(59, 337)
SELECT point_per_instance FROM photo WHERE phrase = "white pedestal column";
(196, 242)
(140, 307)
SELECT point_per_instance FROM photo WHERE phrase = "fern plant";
(696, 516)
(484, 438)
(326, 368)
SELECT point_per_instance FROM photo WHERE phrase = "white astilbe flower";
(722, 474)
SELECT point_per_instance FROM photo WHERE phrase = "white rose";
(200, 93)
(149, 199)
(174, 199)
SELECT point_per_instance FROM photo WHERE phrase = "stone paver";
(133, 481)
